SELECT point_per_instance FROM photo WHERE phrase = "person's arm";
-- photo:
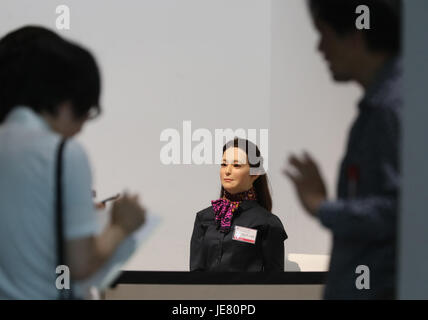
(273, 245)
(197, 260)
(87, 255)
(369, 218)
(372, 217)
(86, 250)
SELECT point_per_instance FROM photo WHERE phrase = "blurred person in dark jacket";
(363, 218)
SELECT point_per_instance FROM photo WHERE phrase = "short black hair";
(39, 69)
(385, 20)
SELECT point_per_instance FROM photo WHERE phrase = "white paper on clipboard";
(103, 278)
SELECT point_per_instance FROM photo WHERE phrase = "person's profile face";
(76, 126)
(235, 171)
(65, 122)
(337, 50)
(73, 125)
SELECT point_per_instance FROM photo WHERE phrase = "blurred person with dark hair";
(238, 232)
(49, 88)
(363, 218)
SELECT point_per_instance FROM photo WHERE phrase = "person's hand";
(308, 182)
(100, 205)
(128, 214)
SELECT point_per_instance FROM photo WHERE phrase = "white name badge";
(245, 234)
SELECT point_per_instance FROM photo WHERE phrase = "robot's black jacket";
(213, 250)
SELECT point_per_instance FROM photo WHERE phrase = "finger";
(100, 205)
(296, 162)
(292, 176)
(310, 165)
(309, 159)
(305, 167)
(132, 197)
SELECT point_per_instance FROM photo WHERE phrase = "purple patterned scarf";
(225, 207)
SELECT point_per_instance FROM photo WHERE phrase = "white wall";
(221, 64)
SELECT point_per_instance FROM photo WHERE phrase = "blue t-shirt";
(28, 149)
